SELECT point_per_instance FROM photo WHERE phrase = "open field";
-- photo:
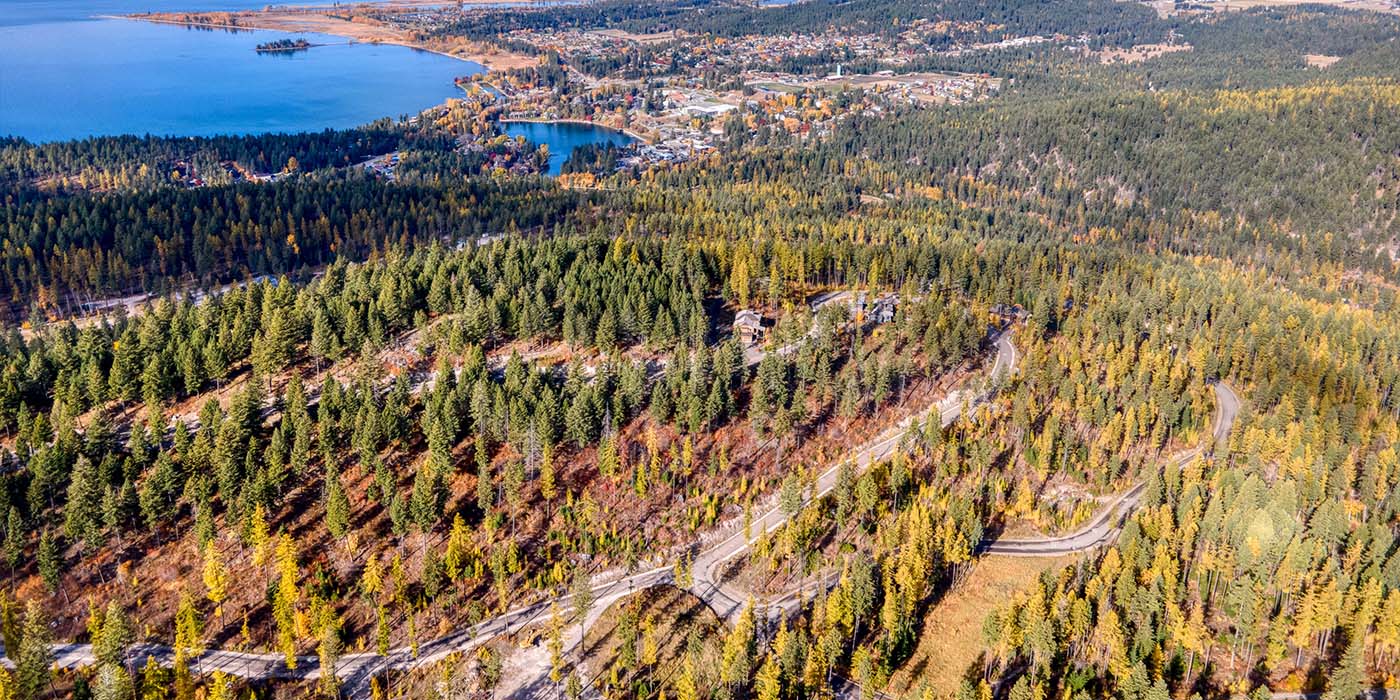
(1136, 54)
(1372, 5)
(657, 38)
(1315, 60)
(952, 630)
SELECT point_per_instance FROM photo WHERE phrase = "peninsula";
(361, 22)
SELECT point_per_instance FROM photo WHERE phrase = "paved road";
(706, 585)
(754, 354)
(356, 669)
(1105, 527)
(727, 602)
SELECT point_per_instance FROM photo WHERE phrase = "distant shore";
(309, 20)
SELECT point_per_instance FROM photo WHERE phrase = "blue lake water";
(563, 137)
(66, 75)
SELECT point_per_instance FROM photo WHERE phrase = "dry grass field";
(951, 641)
(1373, 5)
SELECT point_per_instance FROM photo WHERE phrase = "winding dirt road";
(1106, 525)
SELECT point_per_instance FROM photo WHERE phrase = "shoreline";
(479, 60)
(583, 122)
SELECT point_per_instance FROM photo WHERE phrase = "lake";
(65, 75)
(563, 137)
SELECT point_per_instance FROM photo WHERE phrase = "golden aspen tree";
(687, 684)
(548, 488)
(739, 279)
(189, 643)
(258, 536)
(736, 658)
(651, 647)
(768, 683)
(216, 578)
(285, 597)
(220, 687)
(372, 577)
(556, 644)
(189, 639)
(458, 544)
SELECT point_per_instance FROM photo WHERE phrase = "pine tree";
(110, 646)
(606, 335)
(324, 343)
(50, 561)
(790, 497)
(15, 537)
(83, 510)
(272, 348)
(215, 358)
(112, 683)
(583, 601)
(35, 657)
(427, 497)
(329, 652)
(1350, 677)
(337, 504)
(485, 490)
(122, 381)
(580, 420)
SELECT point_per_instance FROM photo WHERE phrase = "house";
(884, 309)
(1010, 312)
(748, 327)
